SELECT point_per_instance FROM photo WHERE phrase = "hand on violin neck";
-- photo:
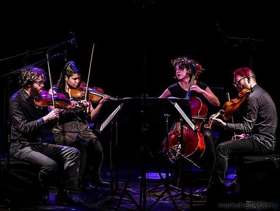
(219, 122)
(104, 99)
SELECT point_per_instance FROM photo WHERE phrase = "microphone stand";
(239, 40)
(37, 51)
(39, 63)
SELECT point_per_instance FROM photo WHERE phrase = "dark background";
(135, 41)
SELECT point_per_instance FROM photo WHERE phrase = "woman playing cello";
(199, 91)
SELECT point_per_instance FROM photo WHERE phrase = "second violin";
(94, 94)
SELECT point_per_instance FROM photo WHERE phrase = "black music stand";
(113, 193)
(156, 108)
(179, 152)
(185, 115)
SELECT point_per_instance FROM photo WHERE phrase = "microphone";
(73, 39)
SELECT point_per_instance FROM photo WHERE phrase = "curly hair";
(29, 75)
(184, 62)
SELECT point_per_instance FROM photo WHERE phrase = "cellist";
(184, 69)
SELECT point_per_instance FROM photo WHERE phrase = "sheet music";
(110, 117)
(186, 118)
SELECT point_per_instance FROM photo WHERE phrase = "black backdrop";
(135, 41)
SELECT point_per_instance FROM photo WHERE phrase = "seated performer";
(73, 128)
(26, 145)
(196, 91)
(256, 134)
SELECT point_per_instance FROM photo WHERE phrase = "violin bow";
(232, 120)
(90, 62)
(50, 78)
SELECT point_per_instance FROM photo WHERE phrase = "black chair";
(258, 177)
(19, 183)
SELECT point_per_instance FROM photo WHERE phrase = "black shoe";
(44, 192)
(45, 201)
(201, 193)
(87, 187)
(64, 197)
(100, 183)
(231, 187)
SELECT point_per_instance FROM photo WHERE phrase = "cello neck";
(189, 90)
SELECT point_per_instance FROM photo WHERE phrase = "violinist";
(73, 128)
(27, 121)
(184, 68)
(255, 135)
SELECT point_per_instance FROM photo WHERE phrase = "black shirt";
(26, 117)
(177, 91)
(259, 118)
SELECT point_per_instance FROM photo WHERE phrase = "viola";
(230, 106)
(60, 100)
(95, 94)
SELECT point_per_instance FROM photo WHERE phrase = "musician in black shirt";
(185, 70)
(26, 145)
(255, 135)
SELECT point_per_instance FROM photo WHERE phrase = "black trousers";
(232, 149)
(50, 157)
(91, 150)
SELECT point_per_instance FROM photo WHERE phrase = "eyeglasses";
(238, 81)
(40, 83)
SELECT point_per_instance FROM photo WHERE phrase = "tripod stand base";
(113, 195)
(159, 193)
(111, 199)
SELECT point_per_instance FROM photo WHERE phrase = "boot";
(97, 180)
(64, 197)
(44, 191)
(85, 185)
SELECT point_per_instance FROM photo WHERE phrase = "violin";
(61, 101)
(230, 106)
(94, 94)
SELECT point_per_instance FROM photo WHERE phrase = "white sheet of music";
(110, 117)
(186, 118)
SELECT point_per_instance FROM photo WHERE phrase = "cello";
(193, 141)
